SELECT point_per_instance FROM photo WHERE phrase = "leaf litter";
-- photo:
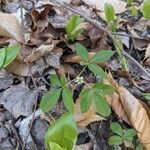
(47, 48)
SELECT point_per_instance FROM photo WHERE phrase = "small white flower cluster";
(79, 80)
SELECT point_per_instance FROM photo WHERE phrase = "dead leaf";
(118, 5)
(19, 100)
(147, 55)
(53, 58)
(136, 113)
(83, 119)
(6, 79)
(41, 51)
(9, 26)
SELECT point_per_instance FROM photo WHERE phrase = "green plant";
(129, 2)
(120, 135)
(146, 9)
(63, 130)
(59, 88)
(8, 54)
(62, 134)
(73, 27)
(146, 96)
(96, 93)
(112, 22)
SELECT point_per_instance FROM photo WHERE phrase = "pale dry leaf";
(41, 51)
(83, 119)
(9, 26)
(147, 55)
(119, 6)
(136, 113)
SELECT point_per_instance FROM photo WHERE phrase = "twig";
(98, 25)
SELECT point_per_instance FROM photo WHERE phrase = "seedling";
(62, 134)
(146, 96)
(112, 22)
(146, 9)
(120, 135)
(73, 28)
(8, 54)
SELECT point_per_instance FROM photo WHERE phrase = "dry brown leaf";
(83, 119)
(9, 26)
(41, 51)
(136, 113)
(118, 5)
(147, 55)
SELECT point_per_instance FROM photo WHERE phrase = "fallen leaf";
(53, 58)
(147, 55)
(41, 51)
(136, 113)
(83, 119)
(9, 26)
(118, 5)
(6, 79)
(19, 100)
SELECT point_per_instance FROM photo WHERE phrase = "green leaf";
(101, 105)
(81, 51)
(2, 56)
(146, 9)
(102, 56)
(129, 2)
(72, 28)
(109, 12)
(67, 99)
(134, 11)
(63, 132)
(63, 81)
(129, 134)
(86, 100)
(139, 147)
(49, 100)
(10, 54)
(97, 70)
(54, 146)
(116, 128)
(146, 96)
(115, 140)
(103, 89)
(55, 80)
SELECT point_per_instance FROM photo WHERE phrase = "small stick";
(98, 25)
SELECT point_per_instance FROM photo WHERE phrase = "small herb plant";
(121, 135)
(62, 134)
(58, 133)
(112, 22)
(8, 54)
(146, 9)
(73, 28)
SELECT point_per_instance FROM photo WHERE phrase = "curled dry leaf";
(136, 113)
(83, 119)
(41, 51)
(118, 5)
(9, 26)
